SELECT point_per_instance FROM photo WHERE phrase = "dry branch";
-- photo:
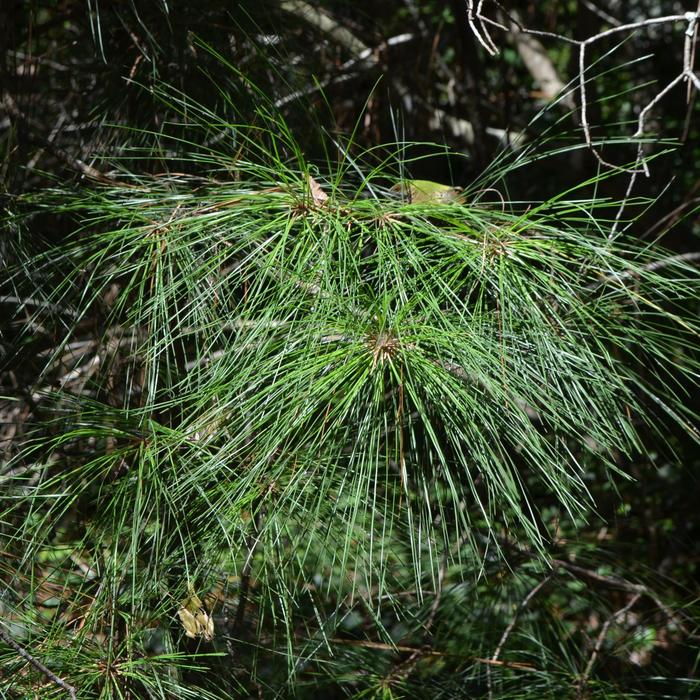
(37, 664)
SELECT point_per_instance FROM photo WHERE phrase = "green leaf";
(426, 191)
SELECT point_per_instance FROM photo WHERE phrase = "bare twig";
(402, 648)
(625, 585)
(405, 668)
(607, 580)
(511, 625)
(650, 267)
(583, 681)
(477, 23)
(37, 664)
(613, 581)
(668, 220)
(533, 55)
(687, 74)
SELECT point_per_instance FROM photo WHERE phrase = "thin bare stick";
(621, 208)
(686, 74)
(534, 32)
(37, 664)
(511, 625)
(477, 22)
(438, 595)
(612, 581)
(402, 648)
(656, 265)
(668, 220)
(474, 18)
(583, 681)
(405, 668)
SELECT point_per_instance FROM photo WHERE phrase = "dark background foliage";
(75, 65)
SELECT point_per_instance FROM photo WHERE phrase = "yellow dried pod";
(206, 624)
(195, 619)
(189, 622)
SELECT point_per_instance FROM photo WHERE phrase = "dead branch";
(533, 54)
(37, 664)
(583, 681)
(511, 625)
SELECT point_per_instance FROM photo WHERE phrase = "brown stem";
(37, 664)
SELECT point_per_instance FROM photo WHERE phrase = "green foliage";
(311, 403)
(288, 429)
